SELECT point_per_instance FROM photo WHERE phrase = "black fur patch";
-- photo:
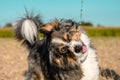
(62, 66)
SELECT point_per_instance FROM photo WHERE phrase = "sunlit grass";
(103, 31)
(91, 31)
(6, 33)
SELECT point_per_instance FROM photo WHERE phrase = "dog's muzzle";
(80, 48)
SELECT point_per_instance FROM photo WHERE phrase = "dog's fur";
(65, 52)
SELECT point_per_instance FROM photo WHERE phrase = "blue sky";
(104, 12)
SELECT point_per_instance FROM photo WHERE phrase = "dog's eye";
(64, 49)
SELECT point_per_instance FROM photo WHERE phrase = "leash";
(81, 12)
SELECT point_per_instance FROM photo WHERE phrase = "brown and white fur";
(65, 52)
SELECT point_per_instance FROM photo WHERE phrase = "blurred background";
(100, 19)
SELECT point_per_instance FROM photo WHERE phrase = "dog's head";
(68, 43)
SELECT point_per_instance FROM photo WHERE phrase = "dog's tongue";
(84, 49)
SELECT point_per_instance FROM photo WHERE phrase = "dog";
(64, 53)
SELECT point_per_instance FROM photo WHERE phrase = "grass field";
(6, 33)
(103, 31)
(93, 32)
(13, 57)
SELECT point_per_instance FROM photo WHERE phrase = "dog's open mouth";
(80, 48)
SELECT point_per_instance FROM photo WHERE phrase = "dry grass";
(13, 57)
(108, 49)
(13, 61)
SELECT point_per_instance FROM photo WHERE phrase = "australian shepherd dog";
(64, 53)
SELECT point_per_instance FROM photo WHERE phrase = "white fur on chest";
(90, 66)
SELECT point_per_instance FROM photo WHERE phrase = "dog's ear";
(47, 28)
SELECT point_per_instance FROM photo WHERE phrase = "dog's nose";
(77, 48)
